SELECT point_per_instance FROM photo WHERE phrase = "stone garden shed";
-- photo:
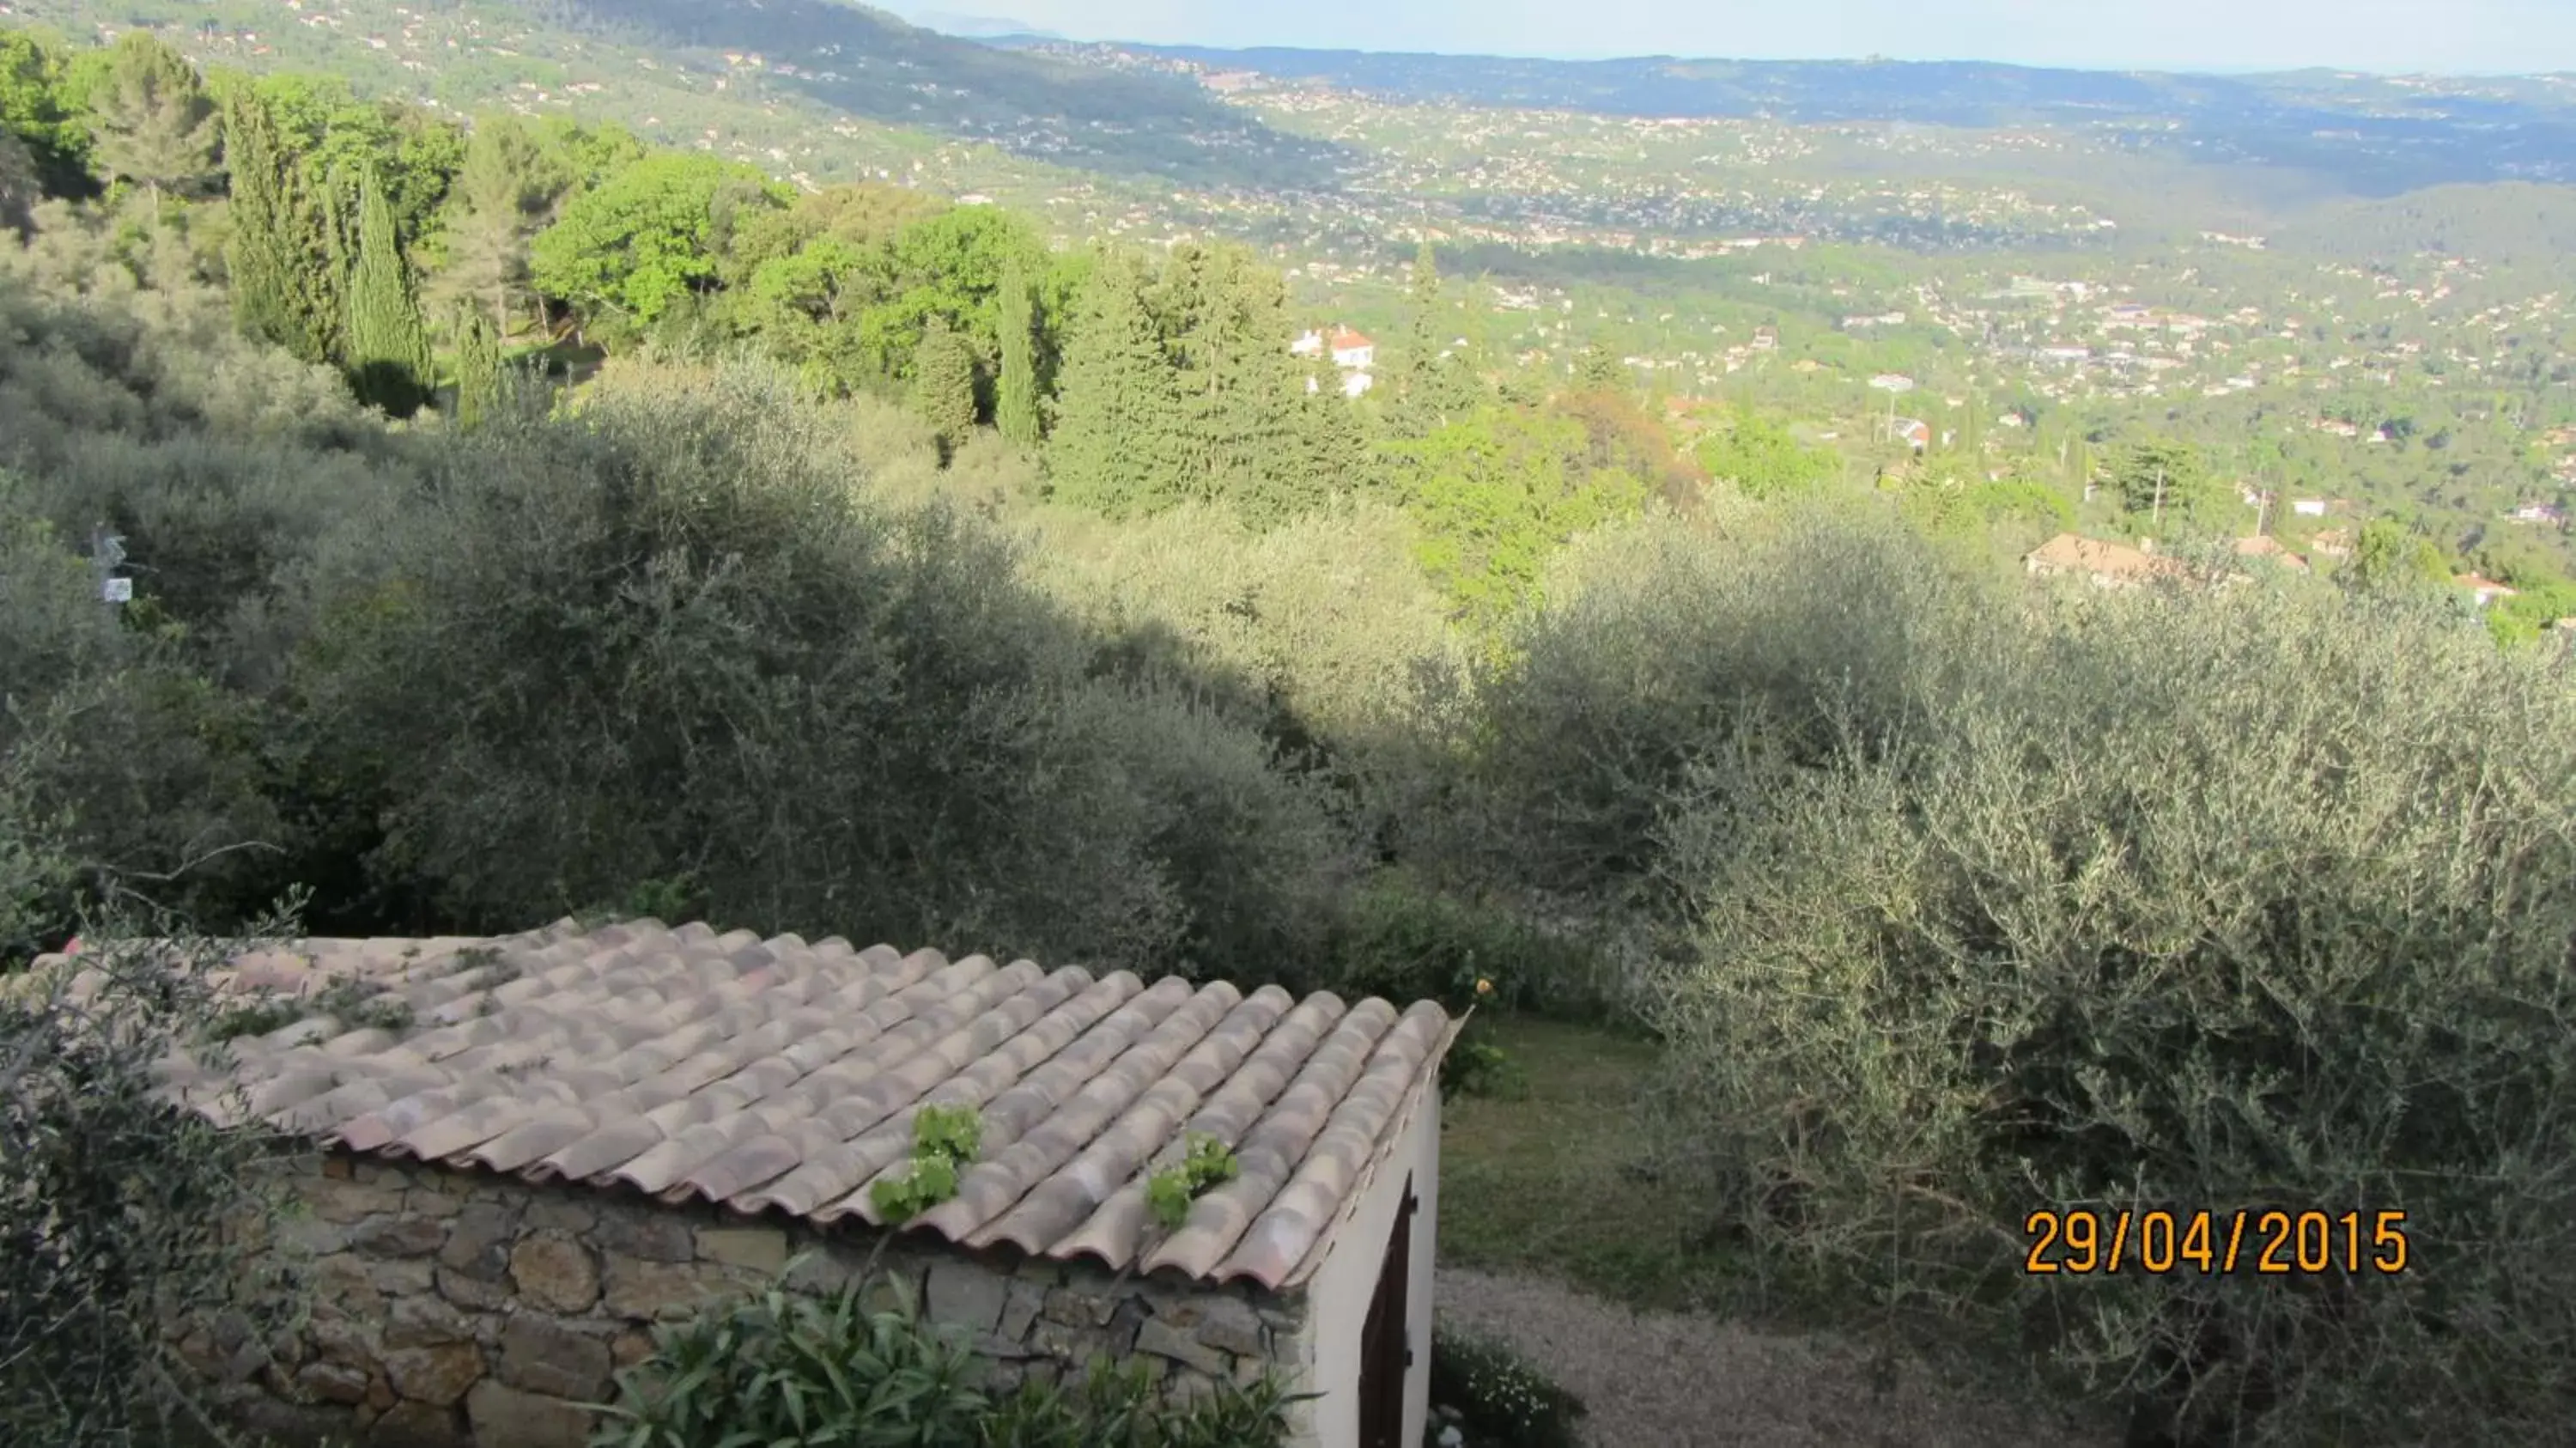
(557, 1138)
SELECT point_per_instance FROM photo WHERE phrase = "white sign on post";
(117, 590)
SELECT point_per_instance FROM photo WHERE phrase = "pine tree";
(1600, 371)
(1335, 455)
(388, 360)
(501, 191)
(478, 369)
(1240, 384)
(1015, 402)
(152, 121)
(943, 384)
(1116, 446)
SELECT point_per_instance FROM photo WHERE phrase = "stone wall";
(453, 1308)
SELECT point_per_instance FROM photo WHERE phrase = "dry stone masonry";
(453, 1309)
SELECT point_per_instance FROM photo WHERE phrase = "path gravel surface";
(1661, 1380)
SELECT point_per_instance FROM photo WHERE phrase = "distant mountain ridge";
(2377, 135)
(871, 63)
(979, 27)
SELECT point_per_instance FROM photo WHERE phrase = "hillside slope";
(801, 86)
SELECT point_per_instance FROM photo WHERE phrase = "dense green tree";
(2169, 487)
(804, 306)
(37, 108)
(1600, 369)
(1495, 494)
(1335, 453)
(414, 153)
(479, 380)
(389, 360)
(277, 256)
(504, 185)
(1241, 387)
(950, 264)
(1434, 386)
(634, 245)
(152, 123)
(1016, 383)
(943, 384)
(2389, 557)
(1760, 457)
(1115, 445)
(20, 184)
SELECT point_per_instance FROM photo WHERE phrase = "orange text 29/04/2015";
(2262, 1242)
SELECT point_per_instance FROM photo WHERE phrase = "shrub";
(944, 1139)
(786, 1369)
(1403, 940)
(2259, 899)
(121, 1213)
(1672, 643)
(1499, 1399)
(667, 640)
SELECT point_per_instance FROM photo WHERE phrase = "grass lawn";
(1533, 1182)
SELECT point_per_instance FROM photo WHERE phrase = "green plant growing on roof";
(1206, 1163)
(944, 1140)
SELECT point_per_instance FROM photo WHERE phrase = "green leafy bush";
(784, 1369)
(1671, 644)
(122, 1214)
(1500, 1400)
(1403, 940)
(944, 1139)
(2205, 902)
(1204, 1164)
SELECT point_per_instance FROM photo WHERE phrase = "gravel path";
(1655, 1379)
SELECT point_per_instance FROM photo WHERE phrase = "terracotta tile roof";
(2072, 554)
(2266, 546)
(776, 1075)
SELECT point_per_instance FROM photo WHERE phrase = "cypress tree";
(1015, 401)
(388, 361)
(1117, 446)
(270, 255)
(943, 384)
(478, 368)
(1434, 390)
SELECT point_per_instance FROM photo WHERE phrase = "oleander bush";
(2255, 899)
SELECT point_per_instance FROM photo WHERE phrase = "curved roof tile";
(781, 1075)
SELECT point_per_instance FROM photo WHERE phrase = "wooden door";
(1386, 1351)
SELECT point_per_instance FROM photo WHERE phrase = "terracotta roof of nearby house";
(777, 1075)
(2090, 555)
(1344, 339)
(2267, 546)
(2478, 584)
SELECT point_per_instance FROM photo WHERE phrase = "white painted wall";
(1337, 1296)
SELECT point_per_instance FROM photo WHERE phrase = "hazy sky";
(2384, 35)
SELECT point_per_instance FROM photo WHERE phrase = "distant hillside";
(2372, 135)
(784, 78)
(869, 63)
(2500, 224)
